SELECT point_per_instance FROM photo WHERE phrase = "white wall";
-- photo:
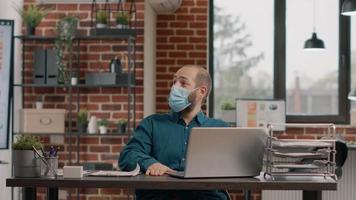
(7, 11)
(149, 68)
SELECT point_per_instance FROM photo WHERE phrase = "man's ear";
(203, 91)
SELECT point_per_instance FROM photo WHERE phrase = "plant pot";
(122, 26)
(30, 30)
(99, 25)
(82, 127)
(121, 129)
(228, 115)
(25, 164)
(103, 129)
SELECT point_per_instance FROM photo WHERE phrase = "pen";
(51, 152)
(44, 161)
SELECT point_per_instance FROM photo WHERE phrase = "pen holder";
(52, 164)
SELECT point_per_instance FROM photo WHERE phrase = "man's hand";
(157, 169)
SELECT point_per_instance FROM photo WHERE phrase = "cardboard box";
(42, 121)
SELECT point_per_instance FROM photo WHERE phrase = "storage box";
(42, 120)
(102, 78)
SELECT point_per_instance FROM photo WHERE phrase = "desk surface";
(167, 182)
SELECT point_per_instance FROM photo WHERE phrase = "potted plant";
(32, 16)
(103, 126)
(101, 19)
(82, 121)
(228, 112)
(122, 20)
(121, 126)
(66, 31)
(24, 160)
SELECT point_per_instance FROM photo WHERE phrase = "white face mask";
(178, 98)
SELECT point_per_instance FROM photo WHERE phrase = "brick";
(67, 7)
(178, 24)
(201, 17)
(165, 62)
(111, 107)
(165, 17)
(89, 140)
(89, 157)
(197, 40)
(101, 115)
(116, 148)
(99, 99)
(198, 54)
(99, 149)
(198, 25)
(185, 18)
(200, 10)
(99, 48)
(165, 32)
(178, 54)
(110, 140)
(85, 7)
(109, 156)
(165, 47)
(119, 98)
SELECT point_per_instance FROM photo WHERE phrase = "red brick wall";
(181, 39)
(108, 103)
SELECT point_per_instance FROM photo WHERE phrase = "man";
(160, 141)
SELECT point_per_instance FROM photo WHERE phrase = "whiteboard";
(6, 61)
(258, 113)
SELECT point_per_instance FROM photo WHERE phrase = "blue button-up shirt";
(162, 138)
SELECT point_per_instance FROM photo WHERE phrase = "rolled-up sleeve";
(138, 149)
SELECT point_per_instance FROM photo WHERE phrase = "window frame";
(279, 72)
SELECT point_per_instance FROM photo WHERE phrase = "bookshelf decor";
(108, 21)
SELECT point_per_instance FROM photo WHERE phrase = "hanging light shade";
(348, 7)
(314, 43)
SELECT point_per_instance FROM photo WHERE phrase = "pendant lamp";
(314, 43)
(348, 7)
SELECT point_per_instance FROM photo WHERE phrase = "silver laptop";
(224, 152)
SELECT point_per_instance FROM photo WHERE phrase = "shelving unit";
(123, 35)
(301, 157)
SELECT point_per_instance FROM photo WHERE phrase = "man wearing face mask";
(160, 141)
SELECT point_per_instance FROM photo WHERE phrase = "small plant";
(121, 126)
(66, 31)
(82, 116)
(32, 16)
(122, 18)
(228, 106)
(25, 142)
(102, 17)
(103, 122)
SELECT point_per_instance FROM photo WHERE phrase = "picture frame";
(6, 77)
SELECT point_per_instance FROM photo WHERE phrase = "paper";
(300, 155)
(300, 144)
(134, 172)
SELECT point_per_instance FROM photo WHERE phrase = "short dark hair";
(203, 78)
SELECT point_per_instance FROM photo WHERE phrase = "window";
(243, 60)
(312, 76)
(314, 84)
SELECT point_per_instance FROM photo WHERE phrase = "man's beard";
(192, 100)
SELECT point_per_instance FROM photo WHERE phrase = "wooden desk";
(311, 189)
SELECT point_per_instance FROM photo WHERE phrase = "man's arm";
(138, 149)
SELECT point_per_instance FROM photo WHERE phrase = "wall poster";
(258, 113)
